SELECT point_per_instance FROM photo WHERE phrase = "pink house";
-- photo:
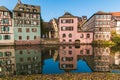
(68, 30)
(69, 55)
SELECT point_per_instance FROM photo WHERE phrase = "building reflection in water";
(69, 55)
(7, 61)
(101, 59)
(115, 59)
(28, 59)
(21, 60)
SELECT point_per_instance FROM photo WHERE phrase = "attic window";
(21, 9)
(28, 9)
(5, 13)
(25, 5)
(34, 10)
(32, 6)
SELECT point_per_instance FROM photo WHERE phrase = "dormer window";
(21, 9)
(28, 10)
(25, 5)
(5, 13)
(32, 6)
(34, 10)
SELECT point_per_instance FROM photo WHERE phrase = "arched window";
(64, 35)
(96, 36)
(70, 35)
(81, 36)
(88, 35)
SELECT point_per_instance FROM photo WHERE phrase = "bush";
(116, 39)
(101, 42)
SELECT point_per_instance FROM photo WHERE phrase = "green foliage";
(115, 48)
(103, 43)
(116, 39)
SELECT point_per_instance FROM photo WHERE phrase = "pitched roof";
(115, 13)
(68, 15)
(102, 13)
(3, 8)
(26, 7)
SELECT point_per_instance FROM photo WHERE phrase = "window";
(67, 28)
(34, 10)
(87, 51)
(6, 37)
(63, 21)
(29, 59)
(63, 28)
(1, 54)
(19, 29)
(96, 36)
(27, 15)
(35, 23)
(107, 36)
(99, 36)
(5, 21)
(7, 54)
(81, 51)
(5, 13)
(70, 52)
(81, 36)
(34, 16)
(28, 51)
(70, 40)
(100, 29)
(19, 15)
(27, 22)
(34, 29)
(70, 35)
(21, 52)
(88, 35)
(97, 16)
(70, 47)
(21, 9)
(64, 40)
(0, 37)
(5, 28)
(67, 21)
(28, 9)
(21, 59)
(20, 37)
(27, 30)
(64, 35)
(28, 37)
(35, 37)
(20, 22)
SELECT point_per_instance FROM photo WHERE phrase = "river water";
(58, 59)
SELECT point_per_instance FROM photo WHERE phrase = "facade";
(6, 27)
(68, 30)
(7, 61)
(26, 24)
(100, 24)
(28, 60)
(116, 22)
(68, 55)
(55, 26)
(51, 29)
(101, 59)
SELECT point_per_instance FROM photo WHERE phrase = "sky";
(56, 8)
